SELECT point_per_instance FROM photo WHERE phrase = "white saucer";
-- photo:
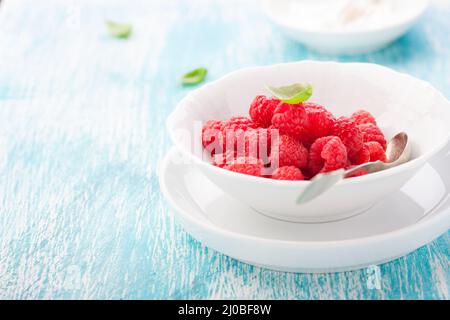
(407, 220)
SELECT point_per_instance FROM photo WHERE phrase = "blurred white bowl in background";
(345, 26)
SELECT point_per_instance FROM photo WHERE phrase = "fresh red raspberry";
(233, 132)
(212, 137)
(289, 152)
(376, 151)
(371, 132)
(347, 130)
(261, 110)
(362, 156)
(288, 173)
(319, 123)
(238, 123)
(362, 117)
(290, 119)
(327, 154)
(246, 165)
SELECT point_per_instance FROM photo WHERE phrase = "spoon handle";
(324, 181)
(320, 184)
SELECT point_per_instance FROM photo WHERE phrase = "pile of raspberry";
(292, 141)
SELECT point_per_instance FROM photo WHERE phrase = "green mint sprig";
(195, 76)
(119, 30)
(294, 93)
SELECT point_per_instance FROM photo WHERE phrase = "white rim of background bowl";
(281, 183)
(391, 25)
(441, 220)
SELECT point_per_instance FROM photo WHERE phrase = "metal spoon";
(398, 151)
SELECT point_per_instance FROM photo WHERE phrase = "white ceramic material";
(398, 101)
(342, 40)
(401, 223)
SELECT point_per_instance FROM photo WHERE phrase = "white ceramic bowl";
(399, 102)
(359, 39)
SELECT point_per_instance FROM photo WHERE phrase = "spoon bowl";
(398, 149)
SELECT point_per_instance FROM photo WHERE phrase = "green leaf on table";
(195, 76)
(294, 93)
(119, 30)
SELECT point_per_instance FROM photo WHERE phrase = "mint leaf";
(294, 93)
(119, 30)
(195, 76)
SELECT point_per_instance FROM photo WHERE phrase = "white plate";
(407, 220)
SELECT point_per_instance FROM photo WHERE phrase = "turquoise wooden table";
(82, 130)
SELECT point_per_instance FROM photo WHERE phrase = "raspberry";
(362, 156)
(347, 130)
(363, 117)
(319, 123)
(327, 154)
(376, 151)
(371, 132)
(233, 132)
(261, 110)
(239, 123)
(289, 119)
(246, 165)
(288, 173)
(212, 138)
(289, 152)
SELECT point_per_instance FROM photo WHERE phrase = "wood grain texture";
(82, 130)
